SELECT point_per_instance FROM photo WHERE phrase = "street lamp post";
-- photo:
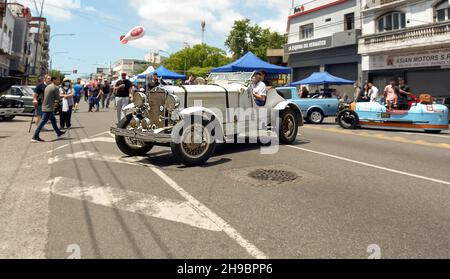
(62, 35)
(186, 46)
(53, 55)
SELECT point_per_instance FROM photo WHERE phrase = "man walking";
(50, 101)
(124, 91)
(106, 95)
(38, 97)
(77, 95)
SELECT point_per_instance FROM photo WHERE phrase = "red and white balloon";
(134, 34)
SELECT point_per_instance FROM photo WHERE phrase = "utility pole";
(38, 36)
(203, 24)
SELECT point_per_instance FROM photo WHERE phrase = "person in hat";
(259, 89)
(124, 92)
(67, 102)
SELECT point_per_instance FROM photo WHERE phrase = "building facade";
(39, 38)
(323, 36)
(130, 66)
(408, 39)
(7, 23)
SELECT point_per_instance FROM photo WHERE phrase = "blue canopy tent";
(323, 78)
(166, 74)
(249, 63)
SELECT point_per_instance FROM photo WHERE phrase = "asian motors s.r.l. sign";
(431, 58)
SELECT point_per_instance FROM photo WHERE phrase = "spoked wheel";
(129, 146)
(288, 127)
(348, 119)
(194, 142)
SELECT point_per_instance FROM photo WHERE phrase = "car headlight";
(172, 102)
(139, 99)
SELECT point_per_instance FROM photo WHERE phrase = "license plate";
(385, 115)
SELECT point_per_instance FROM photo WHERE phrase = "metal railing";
(427, 31)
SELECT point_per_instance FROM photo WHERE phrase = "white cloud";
(172, 22)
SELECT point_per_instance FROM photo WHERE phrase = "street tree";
(200, 58)
(246, 37)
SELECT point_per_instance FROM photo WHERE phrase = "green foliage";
(199, 59)
(200, 72)
(246, 37)
(55, 73)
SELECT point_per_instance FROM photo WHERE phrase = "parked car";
(21, 93)
(421, 116)
(9, 108)
(445, 100)
(315, 110)
(192, 119)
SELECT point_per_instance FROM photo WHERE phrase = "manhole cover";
(273, 175)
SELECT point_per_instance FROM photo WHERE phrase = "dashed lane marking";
(373, 166)
(134, 202)
(251, 249)
(83, 141)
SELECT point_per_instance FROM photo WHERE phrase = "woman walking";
(67, 93)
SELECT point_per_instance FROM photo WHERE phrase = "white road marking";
(229, 230)
(83, 141)
(134, 202)
(373, 166)
(135, 161)
(427, 135)
(100, 134)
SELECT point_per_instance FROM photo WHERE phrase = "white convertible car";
(192, 119)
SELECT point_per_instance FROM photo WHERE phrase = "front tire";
(288, 127)
(195, 142)
(128, 146)
(348, 119)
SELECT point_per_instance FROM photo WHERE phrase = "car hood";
(6, 83)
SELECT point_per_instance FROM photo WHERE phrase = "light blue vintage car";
(315, 110)
(427, 117)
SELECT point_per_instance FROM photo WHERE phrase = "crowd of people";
(51, 97)
(395, 94)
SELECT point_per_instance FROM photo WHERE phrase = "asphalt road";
(349, 194)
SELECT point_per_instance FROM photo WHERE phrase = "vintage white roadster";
(192, 119)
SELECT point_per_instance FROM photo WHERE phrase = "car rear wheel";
(316, 116)
(348, 119)
(130, 146)
(194, 142)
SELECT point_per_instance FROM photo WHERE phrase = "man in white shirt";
(259, 89)
(373, 92)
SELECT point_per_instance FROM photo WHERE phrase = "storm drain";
(273, 175)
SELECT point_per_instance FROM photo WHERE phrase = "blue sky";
(98, 25)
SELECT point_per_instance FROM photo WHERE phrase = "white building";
(323, 36)
(154, 58)
(129, 66)
(7, 24)
(408, 39)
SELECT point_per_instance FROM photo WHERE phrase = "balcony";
(414, 37)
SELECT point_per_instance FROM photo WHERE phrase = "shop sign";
(308, 45)
(432, 58)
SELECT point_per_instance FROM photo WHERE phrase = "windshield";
(229, 77)
(27, 91)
